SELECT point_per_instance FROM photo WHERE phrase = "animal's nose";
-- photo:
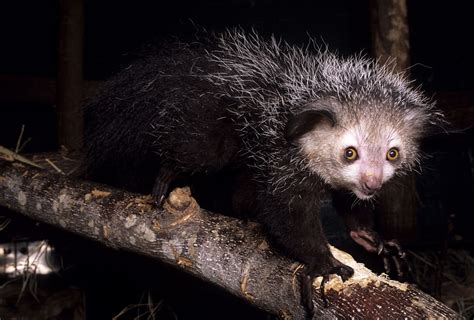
(372, 183)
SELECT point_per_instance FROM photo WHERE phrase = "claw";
(306, 295)
(323, 293)
(389, 250)
(161, 186)
(394, 243)
(345, 272)
(400, 273)
(386, 265)
(380, 248)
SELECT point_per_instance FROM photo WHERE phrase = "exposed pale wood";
(219, 249)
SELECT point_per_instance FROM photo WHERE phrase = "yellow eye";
(350, 154)
(392, 154)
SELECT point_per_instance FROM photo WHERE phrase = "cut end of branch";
(179, 199)
(179, 207)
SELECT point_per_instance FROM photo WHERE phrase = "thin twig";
(4, 223)
(54, 166)
(24, 144)
(18, 142)
(15, 156)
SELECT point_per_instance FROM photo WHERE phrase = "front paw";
(324, 269)
(390, 251)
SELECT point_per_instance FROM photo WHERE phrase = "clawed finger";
(398, 267)
(386, 265)
(323, 293)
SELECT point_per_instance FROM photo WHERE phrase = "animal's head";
(358, 146)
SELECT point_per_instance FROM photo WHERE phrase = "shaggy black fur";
(197, 135)
(176, 112)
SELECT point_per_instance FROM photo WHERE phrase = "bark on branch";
(219, 249)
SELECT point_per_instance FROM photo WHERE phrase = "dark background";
(441, 54)
(442, 64)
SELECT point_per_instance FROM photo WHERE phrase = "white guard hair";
(272, 80)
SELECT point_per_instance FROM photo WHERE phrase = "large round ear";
(303, 122)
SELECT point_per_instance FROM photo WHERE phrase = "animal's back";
(161, 110)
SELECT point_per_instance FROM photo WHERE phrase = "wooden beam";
(390, 33)
(390, 43)
(70, 74)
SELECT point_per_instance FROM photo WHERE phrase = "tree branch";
(222, 250)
